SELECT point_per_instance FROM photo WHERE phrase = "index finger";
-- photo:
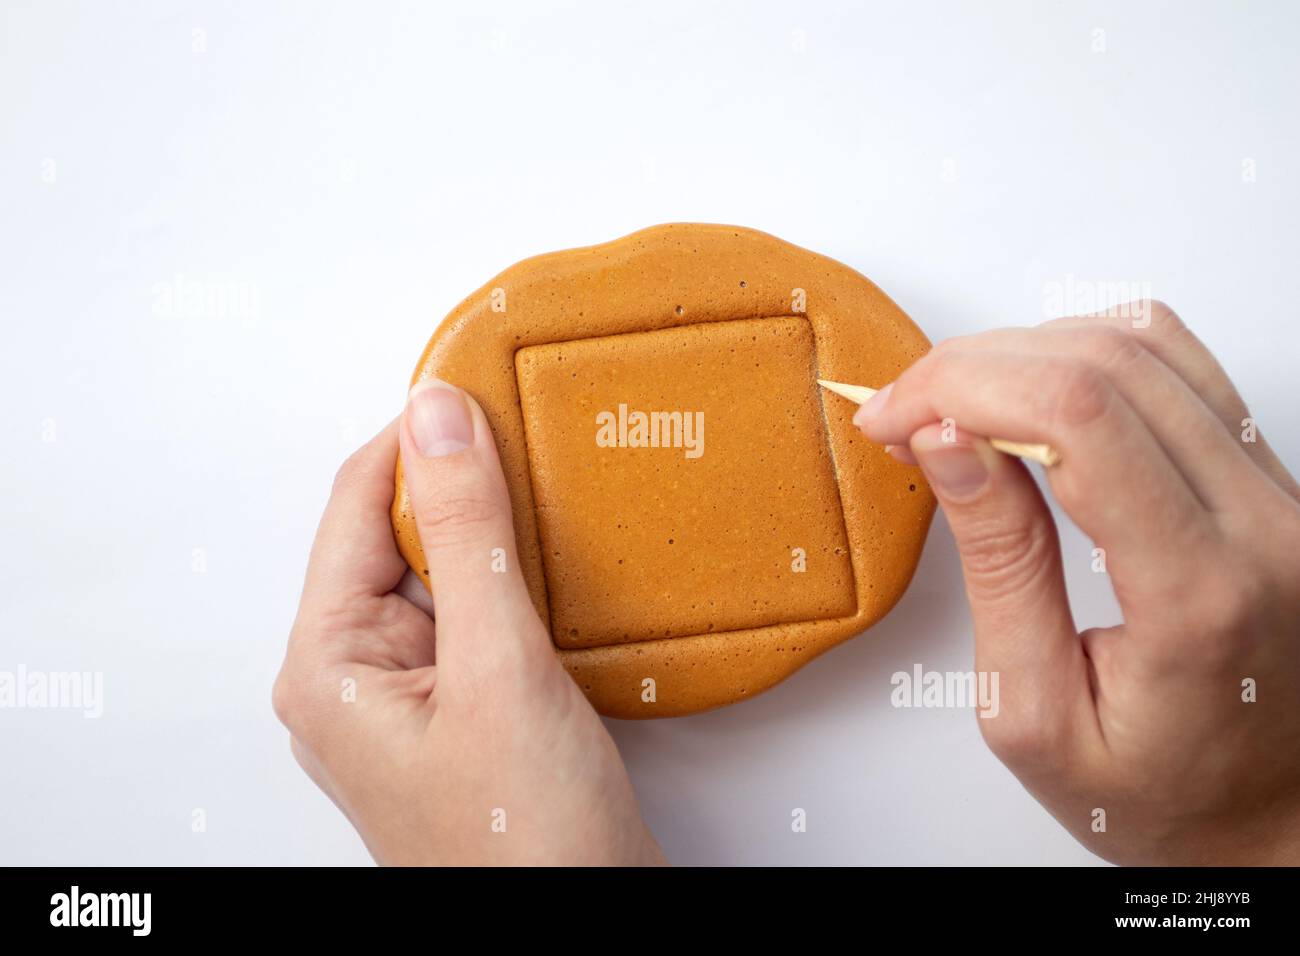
(354, 554)
(1114, 479)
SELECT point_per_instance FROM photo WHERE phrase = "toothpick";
(1043, 454)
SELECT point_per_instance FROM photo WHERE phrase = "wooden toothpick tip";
(1045, 455)
(854, 393)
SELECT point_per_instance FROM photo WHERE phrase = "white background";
(356, 169)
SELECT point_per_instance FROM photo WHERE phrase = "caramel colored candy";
(695, 518)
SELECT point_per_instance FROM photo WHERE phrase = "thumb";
(462, 512)
(1011, 560)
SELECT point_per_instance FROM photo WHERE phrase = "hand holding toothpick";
(1158, 721)
(1043, 454)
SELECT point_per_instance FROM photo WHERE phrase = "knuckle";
(285, 700)
(304, 703)
(348, 473)
(1226, 607)
(1002, 560)
(1020, 741)
(914, 377)
(1164, 320)
(1078, 396)
(457, 518)
(1013, 741)
(299, 752)
(935, 364)
(1110, 347)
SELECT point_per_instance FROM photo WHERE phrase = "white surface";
(362, 167)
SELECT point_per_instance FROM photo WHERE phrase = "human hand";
(1200, 530)
(491, 754)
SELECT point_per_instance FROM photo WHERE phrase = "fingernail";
(439, 419)
(955, 471)
(872, 407)
(901, 453)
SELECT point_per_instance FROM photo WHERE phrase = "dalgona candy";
(695, 518)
